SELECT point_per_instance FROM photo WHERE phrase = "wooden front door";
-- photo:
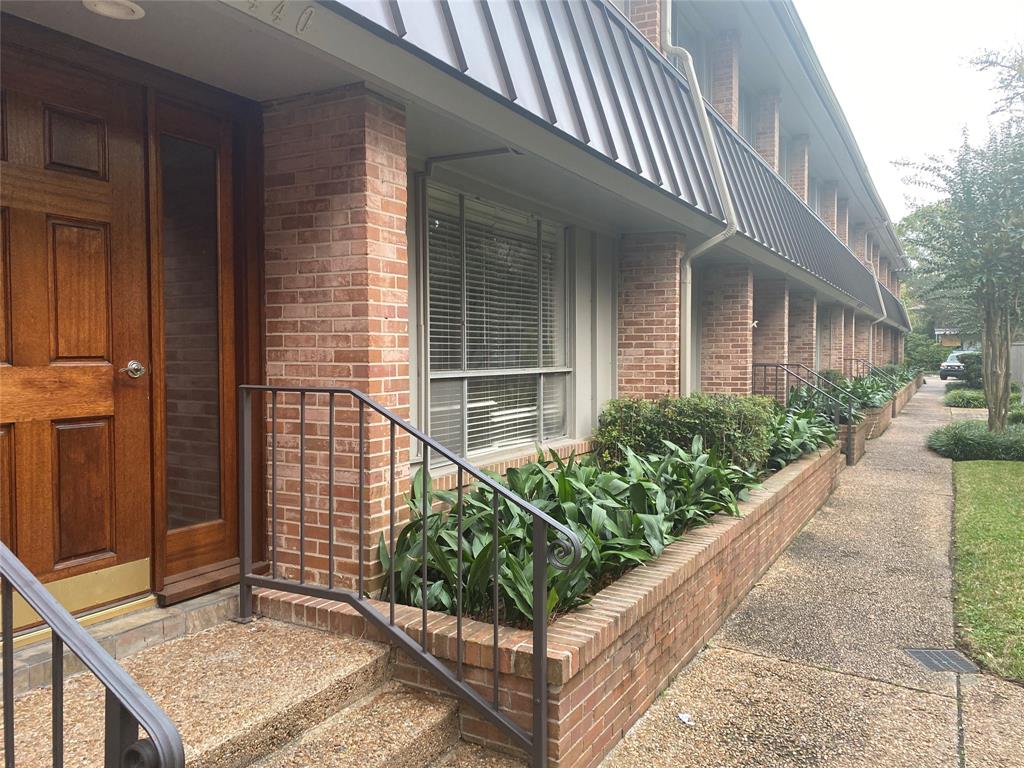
(75, 425)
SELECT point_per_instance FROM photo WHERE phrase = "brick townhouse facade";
(491, 218)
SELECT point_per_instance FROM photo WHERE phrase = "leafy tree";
(971, 244)
(1008, 68)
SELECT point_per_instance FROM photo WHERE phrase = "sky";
(900, 69)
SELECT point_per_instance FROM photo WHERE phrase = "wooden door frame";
(247, 128)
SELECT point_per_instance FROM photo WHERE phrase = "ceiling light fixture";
(122, 10)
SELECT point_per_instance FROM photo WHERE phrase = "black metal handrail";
(866, 365)
(781, 392)
(127, 706)
(563, 552)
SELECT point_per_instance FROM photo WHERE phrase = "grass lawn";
(990, 563)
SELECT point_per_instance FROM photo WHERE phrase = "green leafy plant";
(971, 441)
(737, 430)
(799, 430)
(973, 375)
(624, 518)
(1015, 415)
(924, 352)
(965, 398)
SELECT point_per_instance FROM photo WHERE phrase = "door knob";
(134, 369)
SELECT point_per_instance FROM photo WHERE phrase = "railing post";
(245, 504)
(121, 731)
(7, 608)
(539, 758)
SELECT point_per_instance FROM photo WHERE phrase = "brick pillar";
(900, 339)
(726, 341)
(862, 339)
(849, 331)
(336, 309)
(837, 338)
(803, 327)
(648, 315)
(771, 313)
(876, 257)
(724, 62)
(766, 129)
(799, 172)
(829, 203)
(843, 219)
(877, 344)
(858, 243)
(646, 17)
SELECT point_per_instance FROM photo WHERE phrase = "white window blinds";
(496, 320)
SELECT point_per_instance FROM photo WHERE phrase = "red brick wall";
(724, 63)
(726, 340)
(828, 204)
(336, 307)
(798, 170)
(771, 313)
(900, 339)
(803, 327)
(648, 315)
(858, 244)
(646, 17)
(862, 339)
(837, 338)
(849, 335)
(766, 129)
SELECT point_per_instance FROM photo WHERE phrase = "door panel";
(75, 436)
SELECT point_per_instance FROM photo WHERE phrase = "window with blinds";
(496, 318)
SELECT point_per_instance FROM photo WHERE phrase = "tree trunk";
(995, 360)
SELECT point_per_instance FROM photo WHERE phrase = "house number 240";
(301, 24)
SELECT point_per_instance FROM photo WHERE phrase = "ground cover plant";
(799, 430)
(965, 398)
(989, 563)
(971, 440)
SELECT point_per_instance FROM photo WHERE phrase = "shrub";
(923, 352)
(971, 441)
(798, 431)
(1015, 415)
(623, 518)
(871, 391)
(972, 370)
(965, 398)
(736, 430)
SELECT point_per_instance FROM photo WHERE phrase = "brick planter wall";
(877, 420)
(610, 659)
(859, 440)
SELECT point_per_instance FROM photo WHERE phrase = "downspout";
(722, 188)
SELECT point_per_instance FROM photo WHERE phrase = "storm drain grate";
(942, 660)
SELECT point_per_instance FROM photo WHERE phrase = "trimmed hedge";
(965, 398)
(971, 441)
(735, 429)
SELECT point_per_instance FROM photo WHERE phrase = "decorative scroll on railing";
(311, 446)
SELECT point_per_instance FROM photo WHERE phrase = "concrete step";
(237, 692)
(464, 755)
(393, 728)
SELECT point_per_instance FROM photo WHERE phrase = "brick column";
(648, 315)
(766, 129)
(849, 331)
(336, 309)
(858, 243)
(646, 17)
(799, 172)
(771, 313)
(877, 344)
(876, 251)
(829, 204)
(843, 219)
(726, 341)
(900, 339)
(862, 339)
(803, 327)
(837, 338)
(724, 63)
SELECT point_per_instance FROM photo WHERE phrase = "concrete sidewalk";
(811, 669)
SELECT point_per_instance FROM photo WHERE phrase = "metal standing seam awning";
(581, 69)
(895, 312)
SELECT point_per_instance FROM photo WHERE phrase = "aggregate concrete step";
(395, 727)
(236, 692)
(464, 755)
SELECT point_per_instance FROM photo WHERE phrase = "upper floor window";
(497, 316)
